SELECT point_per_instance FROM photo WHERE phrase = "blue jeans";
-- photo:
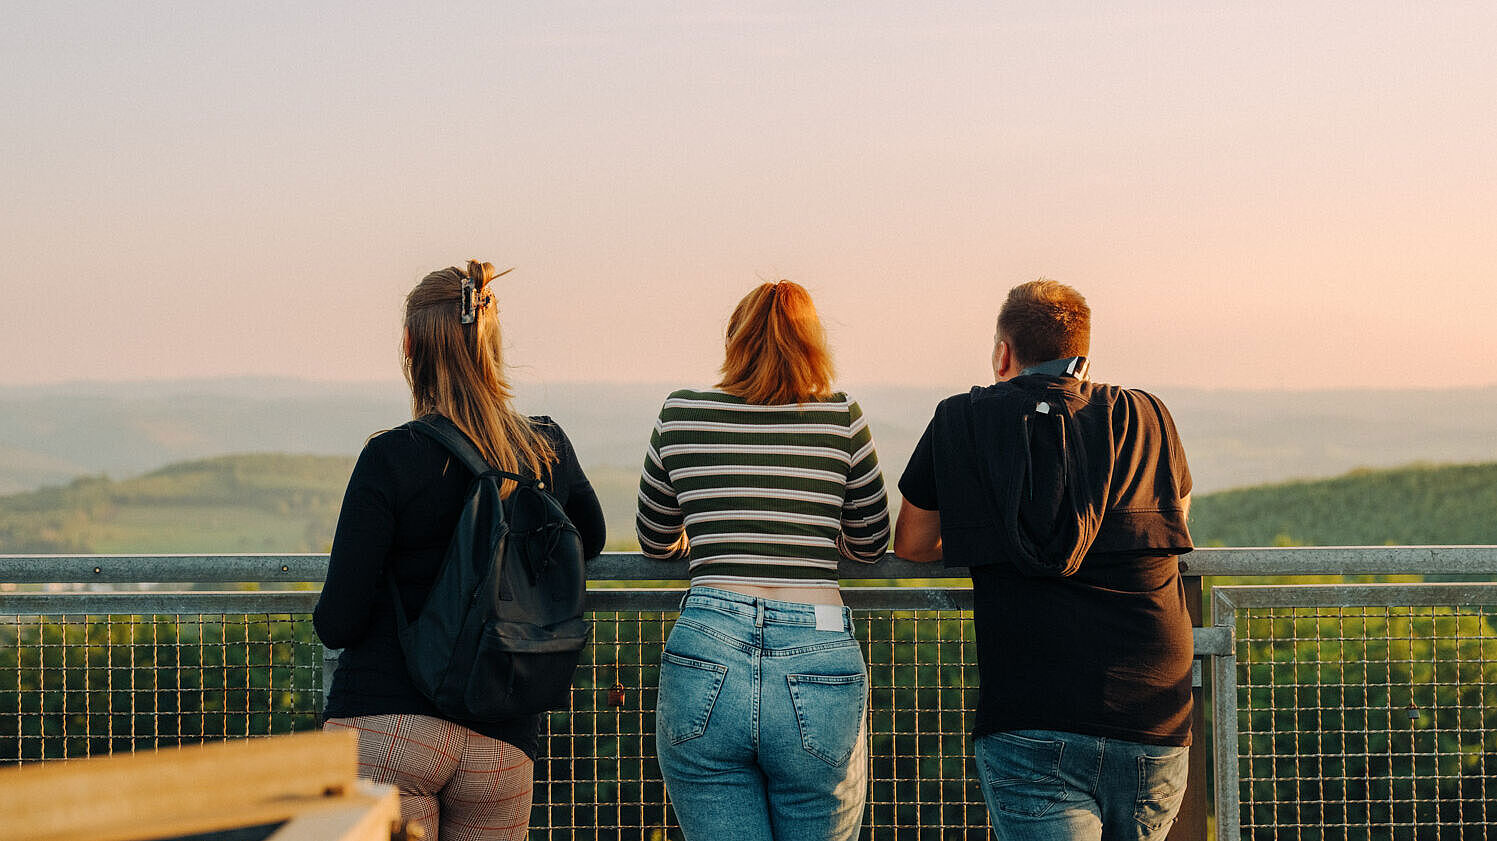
(1046, 785)
(760, 722)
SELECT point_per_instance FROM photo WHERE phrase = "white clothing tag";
(828, 617)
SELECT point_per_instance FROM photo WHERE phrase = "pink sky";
(1250, 195)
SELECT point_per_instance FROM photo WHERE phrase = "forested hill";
(242, 503)
(289, 503)
(1415, 505)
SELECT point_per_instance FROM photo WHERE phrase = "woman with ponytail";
(464, 780)
(765, 482)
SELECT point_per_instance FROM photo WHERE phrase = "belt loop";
(684, 596)
(758, 613)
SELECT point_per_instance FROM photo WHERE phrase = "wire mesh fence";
(83, 685)
(1363, 712)
(1347, 711)
(87, 684)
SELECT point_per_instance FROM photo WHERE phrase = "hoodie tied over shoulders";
(1066, 468)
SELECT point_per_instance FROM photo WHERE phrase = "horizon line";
(159, 382)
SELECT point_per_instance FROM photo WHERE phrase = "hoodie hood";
(1054, 468)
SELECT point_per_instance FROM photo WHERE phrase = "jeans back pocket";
(1021, 775)
(688, 692)
(829, 710)
(1161, 786)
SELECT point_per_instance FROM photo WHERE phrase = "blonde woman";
(765, 482)
(464, 780)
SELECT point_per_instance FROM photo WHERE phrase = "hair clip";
(469, 304)
(474, 300)
(477, 295)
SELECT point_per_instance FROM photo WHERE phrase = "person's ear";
(1003, 362)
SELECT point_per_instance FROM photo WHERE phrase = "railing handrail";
(632, 566)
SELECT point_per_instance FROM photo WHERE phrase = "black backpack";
(502, 629)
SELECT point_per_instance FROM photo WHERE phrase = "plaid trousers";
(456, 784)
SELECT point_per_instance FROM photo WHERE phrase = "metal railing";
(1303, 738)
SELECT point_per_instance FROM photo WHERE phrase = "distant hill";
(1409, 506)
(244, 503)
(289, 503)
(241, 503)
(51, 434)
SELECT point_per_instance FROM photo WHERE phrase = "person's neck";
(1070, 366)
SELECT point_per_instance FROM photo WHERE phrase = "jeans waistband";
(760, 610)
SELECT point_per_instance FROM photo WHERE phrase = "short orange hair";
(776, 347)
(1044, 320)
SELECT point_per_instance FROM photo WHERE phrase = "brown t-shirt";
(1105, 651)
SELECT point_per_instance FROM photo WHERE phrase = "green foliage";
(266, 502)
(1410, 506)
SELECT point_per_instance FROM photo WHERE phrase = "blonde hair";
(776, 347)
(457, 370)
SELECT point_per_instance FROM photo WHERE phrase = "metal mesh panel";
(598, 778)
(1367, 722)
(82, 685)
(923, 670)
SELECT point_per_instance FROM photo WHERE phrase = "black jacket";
(401, 507)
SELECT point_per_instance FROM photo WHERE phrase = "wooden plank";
(177, 791)
(365, 813)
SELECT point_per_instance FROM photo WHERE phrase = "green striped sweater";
(767, 495)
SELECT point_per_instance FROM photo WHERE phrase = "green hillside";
(244, 503)
(289, 503)
(1410, 506)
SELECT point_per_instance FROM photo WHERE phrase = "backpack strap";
(446, 433)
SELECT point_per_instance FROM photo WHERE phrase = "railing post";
(1190, 823)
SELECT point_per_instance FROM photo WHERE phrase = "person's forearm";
(918, 553)
(917, 536)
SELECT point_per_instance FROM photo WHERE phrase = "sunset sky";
(1251, 195)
